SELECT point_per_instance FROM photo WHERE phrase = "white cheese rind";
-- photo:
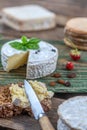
(62, 126)
(41, 69)
(40, 62)
(43, 63)
(33, 17)
(73, 114)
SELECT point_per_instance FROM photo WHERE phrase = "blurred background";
(64, 10)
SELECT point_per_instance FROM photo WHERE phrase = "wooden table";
(65, 9)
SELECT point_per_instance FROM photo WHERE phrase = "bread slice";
(28, 17)
(12, 103)
(7, 108)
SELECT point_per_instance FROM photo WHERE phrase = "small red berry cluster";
(75, 55)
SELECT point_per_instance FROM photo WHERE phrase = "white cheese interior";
(20, 60)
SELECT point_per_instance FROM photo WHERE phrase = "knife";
(36, 107)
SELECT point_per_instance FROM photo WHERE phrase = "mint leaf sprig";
(26, 43)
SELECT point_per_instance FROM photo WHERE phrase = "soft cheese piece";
(61, 125)
(12, 58)
(40, 62)
(73, 114)
(29, 17)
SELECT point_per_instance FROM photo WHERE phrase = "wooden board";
(78, 84)
(24, 122)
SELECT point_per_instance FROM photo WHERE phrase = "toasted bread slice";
(11, 104)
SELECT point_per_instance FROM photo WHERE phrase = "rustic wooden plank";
(24, 122)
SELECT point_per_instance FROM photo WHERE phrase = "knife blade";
(36, 107)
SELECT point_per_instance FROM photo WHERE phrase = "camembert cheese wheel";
(39, 62)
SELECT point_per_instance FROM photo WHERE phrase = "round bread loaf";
(73, 114)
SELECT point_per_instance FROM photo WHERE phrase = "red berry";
(75, 54)
(69, 66)
(75, 57)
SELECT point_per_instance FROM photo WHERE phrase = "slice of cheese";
(40, 62)
(29, 17)
(12, 58)
(19, 60)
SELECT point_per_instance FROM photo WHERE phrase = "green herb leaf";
(24, 39)
(18, 46)
(25, 44)
(33, 43)
(33, 46)
(15, 44)
(34, 40)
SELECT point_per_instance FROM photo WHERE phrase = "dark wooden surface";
(65, 9)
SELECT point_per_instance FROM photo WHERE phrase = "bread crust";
(9, 109)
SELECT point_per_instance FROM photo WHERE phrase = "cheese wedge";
(12, 58)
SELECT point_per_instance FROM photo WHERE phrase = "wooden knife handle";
(45, 123)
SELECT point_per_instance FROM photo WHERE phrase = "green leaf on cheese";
(18, 46)
(25, 44)
(24, 39)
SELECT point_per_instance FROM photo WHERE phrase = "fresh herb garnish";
(24, 39)
(26, 43)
